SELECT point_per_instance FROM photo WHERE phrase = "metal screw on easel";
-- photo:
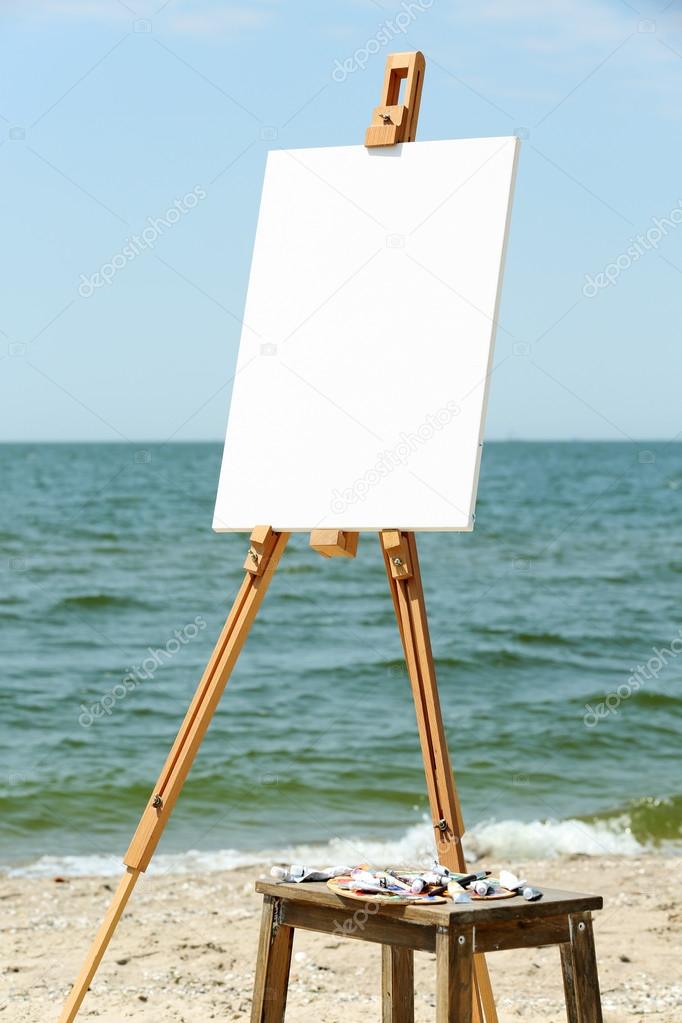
(398, 562)
(253, 555)
(386, 118)
(441, 825)
(157, 802)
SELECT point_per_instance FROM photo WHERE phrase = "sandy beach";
(186, 948)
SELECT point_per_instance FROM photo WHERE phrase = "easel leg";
(402, 567)
(94, 957)
(266, 550)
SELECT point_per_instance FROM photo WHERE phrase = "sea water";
(556, 628)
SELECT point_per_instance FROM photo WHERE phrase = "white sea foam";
(496, 842)
(540, 840)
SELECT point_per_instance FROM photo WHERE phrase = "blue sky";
(113, 111)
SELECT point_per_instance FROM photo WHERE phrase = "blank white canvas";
(361, 381)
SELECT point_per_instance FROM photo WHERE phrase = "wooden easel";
(391, 123)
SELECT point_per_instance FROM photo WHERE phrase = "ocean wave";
(499, 843)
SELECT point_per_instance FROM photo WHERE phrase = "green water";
(571, 579)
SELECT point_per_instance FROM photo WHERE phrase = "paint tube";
(454, 891)
(513, 884)
(511, 881)
(438, 876)
(366, 881)
(435, 877)
(297, 873)
(398, 882)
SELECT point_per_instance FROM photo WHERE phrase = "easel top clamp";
(392, 122)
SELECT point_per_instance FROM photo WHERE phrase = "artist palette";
(346, 886)
(350, 888)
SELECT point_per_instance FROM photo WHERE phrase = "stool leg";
(454, 974)
(397, 984)
(272, 966)
(585, 976)
(569, 984)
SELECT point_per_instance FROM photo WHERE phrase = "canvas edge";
(411, 146)
(468, 528)
(493, 334)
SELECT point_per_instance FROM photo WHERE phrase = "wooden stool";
(455, 932)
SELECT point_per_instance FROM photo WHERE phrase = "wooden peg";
(398, 553)
(334, 543)
(392, 121)
(262, 543)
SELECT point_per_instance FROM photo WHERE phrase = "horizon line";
(221, 440)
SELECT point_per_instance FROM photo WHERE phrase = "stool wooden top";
(553, 903)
